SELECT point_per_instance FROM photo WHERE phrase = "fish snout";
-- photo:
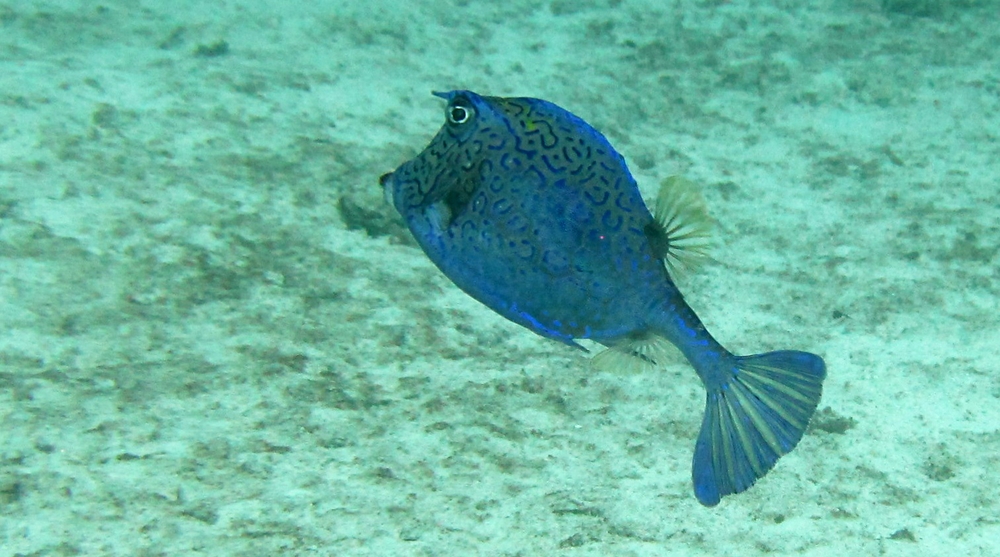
(386, 182)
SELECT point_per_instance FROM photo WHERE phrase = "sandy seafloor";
(216, 338)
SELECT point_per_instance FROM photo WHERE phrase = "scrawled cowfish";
(531, 211)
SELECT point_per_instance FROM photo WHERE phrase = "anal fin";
(636, 354)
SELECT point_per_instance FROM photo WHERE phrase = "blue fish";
(529, 209)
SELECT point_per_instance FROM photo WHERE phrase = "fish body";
(531, 211)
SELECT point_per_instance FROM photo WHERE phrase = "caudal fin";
(752, 419)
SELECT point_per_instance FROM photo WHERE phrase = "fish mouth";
(386, 182)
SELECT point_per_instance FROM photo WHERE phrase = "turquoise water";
(217, 339)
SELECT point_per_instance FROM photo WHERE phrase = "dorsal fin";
(682, 229)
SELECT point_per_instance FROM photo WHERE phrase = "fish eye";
(459, 113)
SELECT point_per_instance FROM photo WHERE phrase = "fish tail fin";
(754, 416)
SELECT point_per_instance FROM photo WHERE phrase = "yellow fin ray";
(682, 216)
(636, 355)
